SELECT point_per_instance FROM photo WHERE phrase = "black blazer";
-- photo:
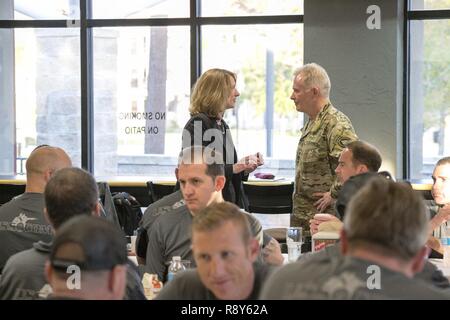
(233, 190)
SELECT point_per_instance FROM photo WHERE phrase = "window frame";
(410, 16)
(195, 21)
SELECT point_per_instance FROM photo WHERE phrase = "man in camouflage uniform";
(323, 138)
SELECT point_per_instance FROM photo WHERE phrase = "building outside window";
(429, 94)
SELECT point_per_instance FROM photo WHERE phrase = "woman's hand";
(247, 164)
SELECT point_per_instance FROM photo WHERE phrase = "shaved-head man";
(22, 220)
(42, 163)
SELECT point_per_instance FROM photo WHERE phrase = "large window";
(141, 95)
(429, 94)
(110, 80)
(47, 90)
(265, 119)
(40, 82)
(215, 8)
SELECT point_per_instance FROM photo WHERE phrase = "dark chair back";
(265, 198)
(108, 208)
(9, 191)
(157, 191)
(270, 199)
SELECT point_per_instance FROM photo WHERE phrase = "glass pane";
(141, 99)
(134, 9)
(256, 54)
(429, 95)
(250, 7)
(42, 9)
(430, 4)
(7, 126)
(47, 91)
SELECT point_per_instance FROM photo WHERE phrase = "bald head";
(42, 163)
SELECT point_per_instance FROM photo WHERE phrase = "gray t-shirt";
(23, 276)
(170, 235)
(22, 223)
(188, 286)
(166, 204)
(430, 273)
(327, 275)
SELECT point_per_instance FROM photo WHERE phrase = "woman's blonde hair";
(211, 92)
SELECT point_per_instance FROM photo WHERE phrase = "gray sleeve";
(8, 283)
(307, 256)
(256, 227)
(150, 215)
(273, 286)
(13, 282)
(155, 261)
(184, 286)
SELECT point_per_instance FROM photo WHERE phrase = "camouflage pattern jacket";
(320, 145)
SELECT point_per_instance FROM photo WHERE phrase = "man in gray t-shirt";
(346, 277)
(173, 202)
(70, 192)
(170, 235)
(430, 274)
(225, 253)
(188, 285)
(383, 248)
(22, 219)
(169, 203)
(201, 184)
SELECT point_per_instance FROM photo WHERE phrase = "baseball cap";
(91, 243)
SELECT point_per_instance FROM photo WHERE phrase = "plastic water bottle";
(294, 243)
(175, 267)
(445, 240)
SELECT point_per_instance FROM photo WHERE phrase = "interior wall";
(365, 67)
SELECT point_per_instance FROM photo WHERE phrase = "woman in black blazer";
(214, 92)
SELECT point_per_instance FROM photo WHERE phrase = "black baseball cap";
(89, 242)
